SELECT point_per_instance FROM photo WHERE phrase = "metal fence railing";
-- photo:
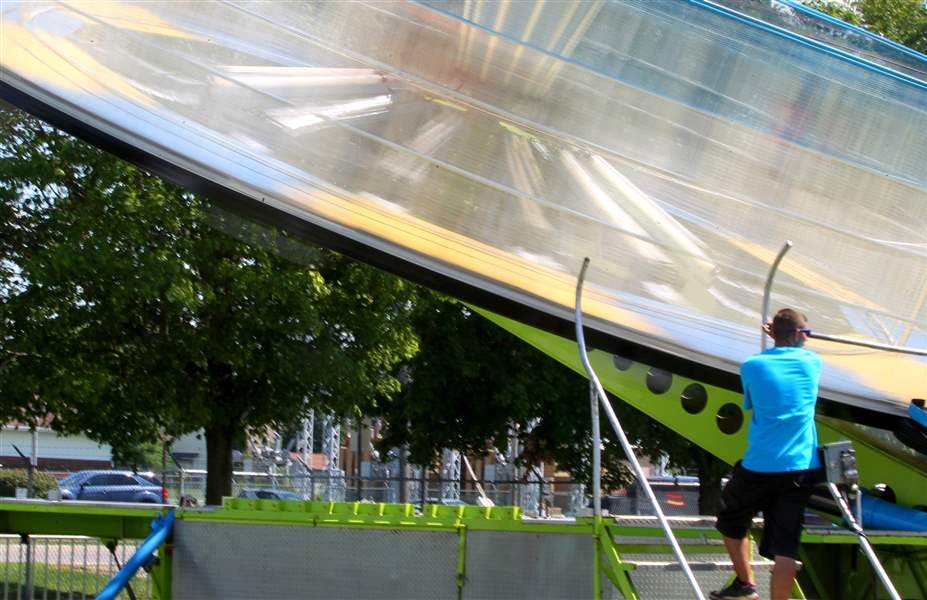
(553, 498)
(561, 496)
(63, 567)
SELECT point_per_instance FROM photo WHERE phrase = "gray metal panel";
(228, 561)
(509, 565)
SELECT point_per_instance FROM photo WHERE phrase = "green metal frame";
(821, 552)
(609, 560)
(53, 518)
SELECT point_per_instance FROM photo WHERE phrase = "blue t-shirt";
(781, 386)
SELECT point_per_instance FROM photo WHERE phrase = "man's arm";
(748, 402)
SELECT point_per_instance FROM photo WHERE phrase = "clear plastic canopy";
(678, 144)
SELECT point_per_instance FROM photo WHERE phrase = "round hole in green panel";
(622, 363)
(694, 398)
(729, 418)
(658, 380)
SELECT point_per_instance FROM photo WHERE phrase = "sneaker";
(737, 590)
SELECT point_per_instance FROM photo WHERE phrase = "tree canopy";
(903, 21)
(472, 382)
(131, 306)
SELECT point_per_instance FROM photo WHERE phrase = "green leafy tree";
(145, 456)
(903, 21)
(131, 308)
(472, 381)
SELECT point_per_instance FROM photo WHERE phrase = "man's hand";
(767, 329)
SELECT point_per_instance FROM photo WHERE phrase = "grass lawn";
(53, 582)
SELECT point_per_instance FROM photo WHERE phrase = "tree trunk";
(710, 471)
(219, 438)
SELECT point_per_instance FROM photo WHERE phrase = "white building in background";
(189, 450)
(62, 453)
(55, 452)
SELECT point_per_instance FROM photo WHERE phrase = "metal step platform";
(659, 576)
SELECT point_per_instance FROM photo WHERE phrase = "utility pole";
(34, 458)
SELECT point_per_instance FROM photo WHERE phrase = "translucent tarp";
(677, 144)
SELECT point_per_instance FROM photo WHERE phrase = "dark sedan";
(113, 486)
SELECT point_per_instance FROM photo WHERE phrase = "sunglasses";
(805, 331)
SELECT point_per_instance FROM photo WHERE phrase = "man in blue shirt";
(781, 465)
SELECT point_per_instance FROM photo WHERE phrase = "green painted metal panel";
(53, 518)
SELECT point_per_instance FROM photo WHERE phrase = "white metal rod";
(866, 344)
(596, 453)
(476, 482)
(820, 336)
(623, 439)
(863, 540)
(768, 288)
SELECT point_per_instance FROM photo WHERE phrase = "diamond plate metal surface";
(527, 565)
(659, 577)
(232, 561)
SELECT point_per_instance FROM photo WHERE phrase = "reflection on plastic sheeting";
(674, 143)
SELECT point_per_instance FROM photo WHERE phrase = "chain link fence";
(63, 567)
(556, 498)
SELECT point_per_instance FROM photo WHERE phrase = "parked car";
(113, 486)
(269, 494)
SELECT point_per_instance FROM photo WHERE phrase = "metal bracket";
(840, 466)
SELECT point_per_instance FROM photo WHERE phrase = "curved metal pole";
(820, 336)
(596, 453)
(625, 444)
(768, 287)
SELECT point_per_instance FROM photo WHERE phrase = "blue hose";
(917, 412)
(160, 528)
(879, 514)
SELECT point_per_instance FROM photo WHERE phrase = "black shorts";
(781, 497)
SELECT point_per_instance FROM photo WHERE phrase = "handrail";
(623, 439)
(596, 453)
(863, 540)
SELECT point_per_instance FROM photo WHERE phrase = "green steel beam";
(162, 574)
(461, 562)
(616, 571)
(56, 518)
(876, 539)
